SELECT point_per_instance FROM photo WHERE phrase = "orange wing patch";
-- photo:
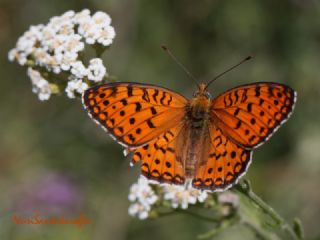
(159, 158)
(227, 162)
(133, 113)
(250, 114)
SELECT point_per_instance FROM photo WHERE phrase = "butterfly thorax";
(199, 110)
(199, 107)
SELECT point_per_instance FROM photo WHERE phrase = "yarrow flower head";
(142, 197)
(182, 196)
(139, 210)
(146, 195)
(75, 86)
(58, 48)
(96, 70)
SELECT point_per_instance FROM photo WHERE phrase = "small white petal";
(12, 54)
(101, 18)
(143, 215)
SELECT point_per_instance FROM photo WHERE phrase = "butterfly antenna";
(165, 48)
(228, 70)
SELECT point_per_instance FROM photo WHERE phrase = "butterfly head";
(202, 92)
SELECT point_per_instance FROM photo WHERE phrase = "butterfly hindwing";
(226, 163)
(160, 158)
(250, 114)
(134, 113)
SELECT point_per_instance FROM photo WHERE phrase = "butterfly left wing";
(161, 159)
(133, 113)
(225, 164)
(250, 114)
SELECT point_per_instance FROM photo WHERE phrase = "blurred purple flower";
(50, 193)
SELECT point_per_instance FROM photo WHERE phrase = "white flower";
(142, 192)
(106, 36)
(78, 69)
(101, 18)
(89, 31)
(75, 85)
(142, 197)
(66, 60)
(95, 29)
(97, 70)
(40, 86)
(82, 16)
(139, 210)
(183, 196)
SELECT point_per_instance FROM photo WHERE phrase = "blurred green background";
(54, 158)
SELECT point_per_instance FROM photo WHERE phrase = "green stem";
(244, 188)
(190, 213)
(260, 234)
(221, 227)
(99, 49)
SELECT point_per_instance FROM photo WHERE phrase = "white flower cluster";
(40, 86)
(142, 197)
(183, 196)
(57, 46)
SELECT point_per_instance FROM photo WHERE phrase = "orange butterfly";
(207, 140)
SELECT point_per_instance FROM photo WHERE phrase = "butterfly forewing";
(249, 114)
(133, 113)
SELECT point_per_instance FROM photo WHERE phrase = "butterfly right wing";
(242, 118)
(225, 164)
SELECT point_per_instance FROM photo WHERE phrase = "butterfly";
(205, 141)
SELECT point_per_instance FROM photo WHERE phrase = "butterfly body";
(196, 134)
(208, 141)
